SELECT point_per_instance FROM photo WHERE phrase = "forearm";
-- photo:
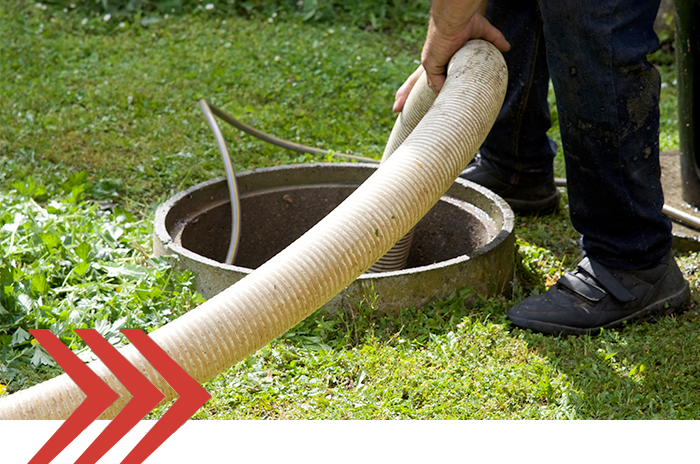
(450, 17)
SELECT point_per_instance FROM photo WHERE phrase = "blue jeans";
(608, 104)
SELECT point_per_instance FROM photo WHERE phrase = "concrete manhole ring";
(465, 240)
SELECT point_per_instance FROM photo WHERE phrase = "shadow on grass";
(643, 370)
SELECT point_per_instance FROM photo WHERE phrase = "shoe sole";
(674, 303)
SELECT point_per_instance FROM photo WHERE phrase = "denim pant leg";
(608, 101)
(518, 146)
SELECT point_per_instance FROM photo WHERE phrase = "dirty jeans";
(608, 108)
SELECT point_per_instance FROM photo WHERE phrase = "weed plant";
(70, 264)
(99, 124)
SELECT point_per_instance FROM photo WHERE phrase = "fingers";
(439, 47)
(483, 29)
(400, 98)
(438, 51)
(405, 89)
(435, 82)
(435, 61)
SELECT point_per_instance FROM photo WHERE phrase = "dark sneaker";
(526, 200)
(593, 297)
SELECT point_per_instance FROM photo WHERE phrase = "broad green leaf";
(42, 357)
(114, 231)
(83, 250)
(39, 283)
(50, 240)
(125, 271)
(81, 268)
(103, 326)
(20, 336)
(26, 302)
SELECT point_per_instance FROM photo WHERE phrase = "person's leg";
(608, 101)
(517, 146)
(607, 97)
(515, 160)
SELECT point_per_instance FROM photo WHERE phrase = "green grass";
(99, 124)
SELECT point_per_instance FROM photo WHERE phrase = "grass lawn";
(99, 123)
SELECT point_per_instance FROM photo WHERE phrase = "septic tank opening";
(465, 240)
(273, 219)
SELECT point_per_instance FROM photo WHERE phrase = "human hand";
(405, 89)
(441, 44)
(439, 48)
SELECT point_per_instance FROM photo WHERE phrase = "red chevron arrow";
(99, 396)
(145, 396)
(192, 396)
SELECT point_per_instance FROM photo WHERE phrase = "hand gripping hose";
(300, 279)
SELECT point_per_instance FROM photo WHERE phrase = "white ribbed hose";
(300, 279)
(416, 106)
